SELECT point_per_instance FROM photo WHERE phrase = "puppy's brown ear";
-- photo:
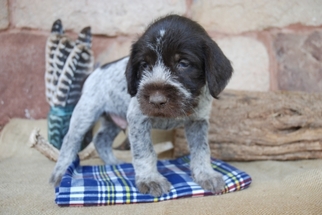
(131, 74)
(131, 79)
(217, 68)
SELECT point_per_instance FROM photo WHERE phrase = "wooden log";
(246, 126)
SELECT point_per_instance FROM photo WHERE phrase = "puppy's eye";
(183, 64)
(144, 65)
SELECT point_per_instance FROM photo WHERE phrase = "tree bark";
(246, 126)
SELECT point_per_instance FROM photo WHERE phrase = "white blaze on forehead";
(155, 47)
(161, 74)
(161, 34)
(162, 31)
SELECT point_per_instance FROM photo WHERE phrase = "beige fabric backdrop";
(292, 187)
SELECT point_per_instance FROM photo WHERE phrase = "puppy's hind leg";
(84, 115)
(103, 140)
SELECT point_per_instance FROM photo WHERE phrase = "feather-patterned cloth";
(68, 63)
(76, 67)
(57, 33)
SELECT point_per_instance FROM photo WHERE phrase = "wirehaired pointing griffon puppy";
(168, 81)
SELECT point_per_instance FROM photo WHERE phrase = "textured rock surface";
(4, 16)
(248, 15)
(250, 62)
(106, 17)
(299, 59)
(116, 50)
(22, 88)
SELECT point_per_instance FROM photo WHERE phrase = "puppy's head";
(171, 63)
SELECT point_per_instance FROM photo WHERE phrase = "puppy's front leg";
(202, 172)
(147, 177)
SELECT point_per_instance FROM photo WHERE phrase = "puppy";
(173, 71)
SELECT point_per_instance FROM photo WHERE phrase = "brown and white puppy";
(171, 75)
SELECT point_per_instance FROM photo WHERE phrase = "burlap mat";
(292, 187)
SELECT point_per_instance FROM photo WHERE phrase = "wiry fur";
(172, 73)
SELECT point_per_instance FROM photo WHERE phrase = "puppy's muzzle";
(158, 99)
(163, 100)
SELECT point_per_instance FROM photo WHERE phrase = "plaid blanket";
(109, 185)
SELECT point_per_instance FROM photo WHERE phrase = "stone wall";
(273, 45)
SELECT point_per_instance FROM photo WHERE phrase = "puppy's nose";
(157, 98)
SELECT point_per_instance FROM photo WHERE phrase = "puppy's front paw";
(211, 181)
(155, 186)
(57, 175)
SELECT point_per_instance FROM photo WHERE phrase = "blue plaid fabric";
(109, 185)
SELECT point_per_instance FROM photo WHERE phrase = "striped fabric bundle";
(58, 124)
(68, 63)
(110, 185)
